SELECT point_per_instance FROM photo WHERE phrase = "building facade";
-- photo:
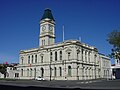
(115, 69)
(105, 66)
(67, 60)
(12, 71)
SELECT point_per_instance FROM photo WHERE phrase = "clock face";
(43, 28)
(50, 27)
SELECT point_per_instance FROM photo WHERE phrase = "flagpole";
(80, 39)
(63, 33)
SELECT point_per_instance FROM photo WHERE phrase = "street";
(88, 84)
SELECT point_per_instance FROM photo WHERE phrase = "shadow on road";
(2, 87)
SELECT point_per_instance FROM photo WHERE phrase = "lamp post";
(50, 70)
(95, 64)
(65, 69)
(77, 72)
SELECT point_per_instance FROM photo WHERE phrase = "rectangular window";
(89, 57)
(32, 58)
(35, 58)
(50, 56)
(21, 60)
(55, 71)
(69, 56)
(16, 74)
(60, 55)
(28, 59)
(41, 59)
(86, 56)
(55, 56)
(21, 72)
(82, 55)
(60, 71)
(42, 43)
(77, 56)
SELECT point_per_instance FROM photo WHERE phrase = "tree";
(114, 40)
(3, 69)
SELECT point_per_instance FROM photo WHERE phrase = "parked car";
(39, 78)
(113, 77)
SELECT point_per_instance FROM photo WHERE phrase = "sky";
(92, 20)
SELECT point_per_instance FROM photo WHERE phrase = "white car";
(39, 78)
(113, 77)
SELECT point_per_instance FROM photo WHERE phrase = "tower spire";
(47, 29)
(47, 14)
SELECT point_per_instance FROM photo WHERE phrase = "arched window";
(69, 70)
(60, 69)
(28, 59)
(55, 71)
(35, 58)
(55, 56)
(21, 72)
(31, 72)
(34, 72)
(60, 55)
(28, 72)
(42, 72)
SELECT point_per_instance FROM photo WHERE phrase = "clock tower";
(47, 29)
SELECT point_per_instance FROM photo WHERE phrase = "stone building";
(115, 69)
(67, 60)
(105, 66)
(12, 71)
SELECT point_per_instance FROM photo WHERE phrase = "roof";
(47, 14)
(59, 44)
